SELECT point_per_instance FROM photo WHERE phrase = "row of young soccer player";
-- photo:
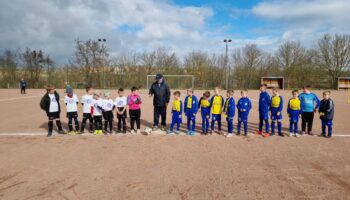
(303, 105)
(95, 110)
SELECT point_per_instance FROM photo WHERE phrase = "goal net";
(174, 81)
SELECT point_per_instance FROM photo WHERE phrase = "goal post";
(174, 81)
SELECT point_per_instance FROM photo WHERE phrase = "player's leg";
(50, 126)
(310, 122)
(132, 120)
(138, 119)
(330, 128)
(193, 119)
(219, 123)
(163, 115)
(70, 122)
(83, 122)
(324, 124)
(76, 122)
(261, 123)
(303, 122)
(119, 118)
(156, 113)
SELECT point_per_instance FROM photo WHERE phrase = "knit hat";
(69, 90)
(97, 93)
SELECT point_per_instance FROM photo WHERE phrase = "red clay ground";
(168, 167)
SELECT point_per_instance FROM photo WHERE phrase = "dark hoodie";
(327, 107)
(45, 102)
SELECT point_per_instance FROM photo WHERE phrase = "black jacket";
(45, 102)
(327, 108)
(161, 94)
(23, 83)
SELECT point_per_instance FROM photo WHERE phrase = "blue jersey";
(308, 102)
(264, 102)
(244, 104)
(192, 105)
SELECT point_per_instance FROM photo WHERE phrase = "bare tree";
(9, 63)
(334, 55)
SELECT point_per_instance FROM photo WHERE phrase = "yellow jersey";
(189, 102)
(176, 105)
(275, 101)
(217, 105)
(205, 103)
(294, 104)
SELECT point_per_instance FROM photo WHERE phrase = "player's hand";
(278, 113)
(315, 110)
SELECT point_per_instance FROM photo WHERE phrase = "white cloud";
(53, 25)
(305, 20)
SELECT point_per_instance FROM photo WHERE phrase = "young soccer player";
(229, 112)
(244, 105)
(50, 103)
(121, 103)
(134, 102)
(309, 105)
(191, 109)
(108, 107)
(176, 113)
(87, 102)
(326, 114)
(264, 107)
(216, 104)
(96, 112)
(276, 108)
(294, 111)
(71, 100)
(204, 105)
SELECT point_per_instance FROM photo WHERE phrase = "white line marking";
(88, 134)
(18, 98)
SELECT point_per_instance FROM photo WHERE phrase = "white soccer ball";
(148, 131)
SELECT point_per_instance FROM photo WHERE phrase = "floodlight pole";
(227, 67)
(102, 40)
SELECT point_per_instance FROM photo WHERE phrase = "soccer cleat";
(266, 135)
(259, 132)
(177, 132)
(245, 134)
(310, 133)
(322, 135)
(303, 133)
(133, 132)
(95, 132)
(281, 134)
(290, 134)
(100, 132)
(81, 132)
(154, 128)
(296, 135)
(230, 135)
(188, 133)
(138, 131)
(61, 132)
(163, 128)
(169, 132)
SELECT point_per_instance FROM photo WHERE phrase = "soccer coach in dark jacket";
(161, 97)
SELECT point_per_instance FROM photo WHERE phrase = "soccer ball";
(148, 131)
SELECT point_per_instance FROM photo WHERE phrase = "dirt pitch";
(168, 167)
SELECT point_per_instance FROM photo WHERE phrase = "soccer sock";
(110, 125)
(267, 125)
(50, 125)
(106, 123)
(330, 127)
(261, 122)
(70, 127)
(245, 127)
(239, 127)
(59, 125)
(279, 124)
(76, 124)
(272, 127)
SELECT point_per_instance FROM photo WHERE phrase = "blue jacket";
(231, 107)
(194, 108)
(264, 102)
(308, 101)
(244, 103)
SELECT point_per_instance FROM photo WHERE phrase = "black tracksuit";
(161, 97)
(326, 111)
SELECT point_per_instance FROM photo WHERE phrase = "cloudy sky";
(182, 25)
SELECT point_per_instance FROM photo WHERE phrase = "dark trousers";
(98, 122)
(108, 117)
(73, 116)
(307, 118)
(135, 116)
(87, 116)
(23, 90)
(121, 119)
(159, 111)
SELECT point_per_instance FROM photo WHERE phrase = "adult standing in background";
(161, 97)
(309, 105)
(23, 85)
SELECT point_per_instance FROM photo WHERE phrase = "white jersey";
(87, 100)
(120, 102)
(71, 103)
(97, 105)
(107, 104)
(53, 103)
